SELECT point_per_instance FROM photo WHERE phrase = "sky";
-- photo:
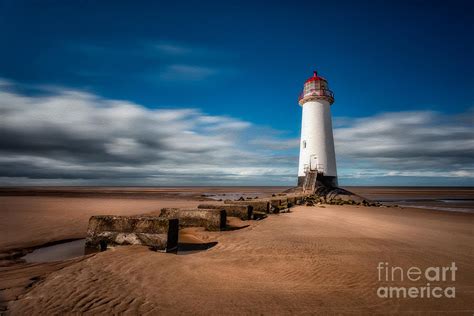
(205, 92)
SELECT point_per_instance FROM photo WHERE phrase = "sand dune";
(313, 260)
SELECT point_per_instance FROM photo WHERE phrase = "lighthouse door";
(313, 162)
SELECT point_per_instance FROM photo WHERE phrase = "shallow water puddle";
(452, 205)
(232, 196)
(59, 252)
(76, 248)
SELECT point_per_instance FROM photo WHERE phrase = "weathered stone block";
(243, 212)
(291, 201)
(258, 215)
(278, 205)
(156, 232)
(276, 201)
(211, 219)
(258, 205)
(296, 200)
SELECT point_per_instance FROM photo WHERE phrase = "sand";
(313, 260)
(33, 221)
(388, 193)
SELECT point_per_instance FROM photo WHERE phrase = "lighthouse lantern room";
(317, 162)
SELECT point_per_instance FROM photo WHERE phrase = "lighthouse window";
(304, 144)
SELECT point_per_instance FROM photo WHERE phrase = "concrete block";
(210, 219)
(244, 212)
(259, 205)
(296, 200)
(258, 215)
(155, 232)
(278, 204)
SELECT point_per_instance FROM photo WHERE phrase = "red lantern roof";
(316, 88)
(315, 77)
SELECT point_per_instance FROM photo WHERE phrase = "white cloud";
(74, 137)
(170, 61)
(180, 72)
(407, 144)
(187, 50)
(77, 135)
(4, 82)
(190, 63)
(171, 49)
(277, 144)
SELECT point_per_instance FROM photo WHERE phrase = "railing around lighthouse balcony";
(317, 93)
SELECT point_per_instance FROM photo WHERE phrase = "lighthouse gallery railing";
(319, 92)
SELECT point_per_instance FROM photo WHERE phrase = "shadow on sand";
(190, 248)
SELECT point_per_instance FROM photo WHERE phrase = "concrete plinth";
(278, 205)
(244, 212)
(296, 200)
(258, 205)
(158, 233)
(326, 181)
(210, 219)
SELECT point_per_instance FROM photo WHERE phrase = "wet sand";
(35, 216)
(33, 221)
(313, 260)
(393, 193)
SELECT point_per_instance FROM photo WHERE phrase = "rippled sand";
(313, 260)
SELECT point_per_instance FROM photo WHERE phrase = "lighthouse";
(317, 162)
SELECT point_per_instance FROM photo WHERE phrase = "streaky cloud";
(68, 136)
(81, 137)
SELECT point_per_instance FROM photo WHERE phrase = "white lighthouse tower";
(317, 155)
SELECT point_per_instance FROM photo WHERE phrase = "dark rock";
(338, 196)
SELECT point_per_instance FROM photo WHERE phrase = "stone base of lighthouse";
(327, 181)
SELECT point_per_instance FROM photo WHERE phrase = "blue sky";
(245, 62)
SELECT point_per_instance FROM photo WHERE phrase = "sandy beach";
(314, 260)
